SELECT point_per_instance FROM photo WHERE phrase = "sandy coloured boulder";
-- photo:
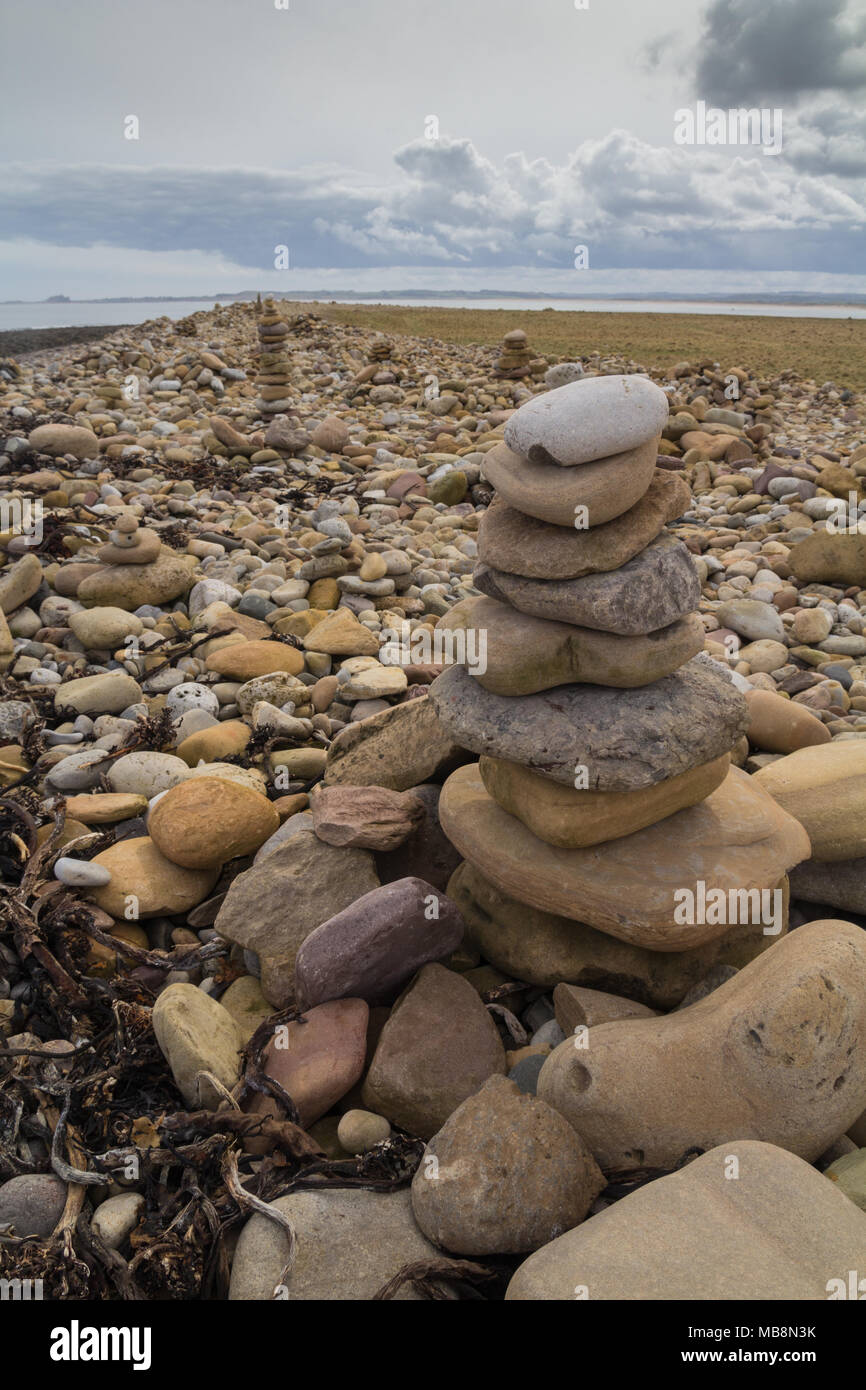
(205, 821)
(19, 582)
(438, 1046)
(828, 558)
(651, 591)
(781, 1231)
(371, 948)
(104, 629)
(397, 748)
(778, 1053)
(81, 443)
(196, 1034)
(579, 497)
(245, 661)
(273, 906)
(523, 655)
(572, 818)
(777, 725)
(588, 419)
(367, 817)
(222, 740)
(167, 578)
(825, 788)
(504, 1175)
(143, 881)
(350, 1244)
(526, 943)
(518, 544)
(648, 887)
(108, 694)
(340, 634)
(643, 736)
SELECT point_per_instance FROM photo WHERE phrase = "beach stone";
(145, 550)
(276, 688)
(775, 1054)
(318, 1060)
(849, 1173)
(20, 582)
(131, 586)
(142, 878)
(361, 1130)
(737, 839)
(32, 1203)
(828, 558)
(764, 655)
(825, 789)
(331, 434)
(396, 748)
(573, 819)
(116, 1218)
(196, 1034)
(644, 736)
(205, 821)
(579, 1007)
(518, 544)
(367, 817)
(371, 948)
(223, 740)
(247, 1005)
(246, 661)
(752, 620)
(273, 906)
(437, 1048)
(245, 776)
(525, 655)
(427, 853)
(104, 629)
(588, 419)
(108, 694)
(782, 726)
(651, 591)
(105, 808)
(504, 1175)
(144, 773)
(840, 883)
(587, 496)
(78, 873)
(350, 1243)
(340, 634)
(81, 443)
(780, 1232)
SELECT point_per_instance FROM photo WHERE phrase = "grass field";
(820, 349)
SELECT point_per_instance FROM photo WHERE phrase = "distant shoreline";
(789, 299)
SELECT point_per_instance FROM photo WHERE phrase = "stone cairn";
(605, 809)
(130, 544)
(516, 360)
(273, 375)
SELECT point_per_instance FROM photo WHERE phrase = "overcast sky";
(310, 128)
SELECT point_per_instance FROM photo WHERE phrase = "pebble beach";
(432, 825)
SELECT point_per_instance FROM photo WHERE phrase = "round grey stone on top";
(588, 419)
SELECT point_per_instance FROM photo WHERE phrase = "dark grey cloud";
(759, 52)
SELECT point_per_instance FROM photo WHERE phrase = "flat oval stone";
(142, 877)
(643, 736)
(735, 840)
(588, 496)
(650, 591)
(588, 419)
(205, 821)
(825, 788)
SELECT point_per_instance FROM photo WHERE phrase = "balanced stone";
(778, 1053)
(655, 588)
(518, 544)
(645, 736)
(524, 655)
(572, 818)
(577, 497)
(781, 1231)
(737, 841)
(588, 419)
(129, 586)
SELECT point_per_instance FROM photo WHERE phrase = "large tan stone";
(212, 745)
(146, 884)
(526, 943)
(637, 888)
(827, 558)
(438, 1047)
(519, 544)
(578, 497)
(505, 1174)
(398, 748)
(572, 818)
(206, 821)
(745, 1221)
(170, 576)
(777, 725)
(523, 655)
(825, 788)
(244, 661)
(197, 1035)
(777, 1053)
(340, 634)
